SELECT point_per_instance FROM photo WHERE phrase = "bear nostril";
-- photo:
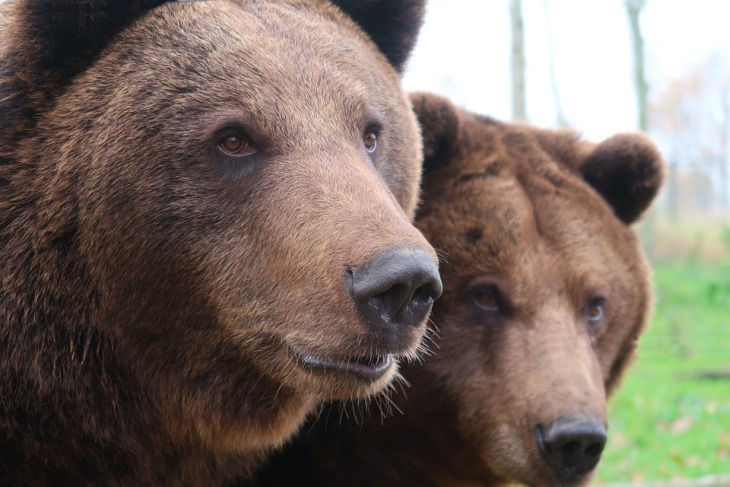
(396, 289)
(422, 300)
(572, 444)
(595, 450)
(399, 299)
(428, 292)
(394, 298)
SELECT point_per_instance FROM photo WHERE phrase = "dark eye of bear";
(371, 142)
(236, 146)
(595, 312)
(486, 298)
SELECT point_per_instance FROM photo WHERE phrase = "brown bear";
(546, 292)
(204, 230)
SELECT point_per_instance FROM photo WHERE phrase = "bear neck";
(416, 447)
(69, 390)
(425, 438)
(52, 355)
(66, 392)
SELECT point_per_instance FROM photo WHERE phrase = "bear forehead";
(280, 31)
(528, 197)
(503, 175)
(506, 217)
(282, 39)
(228, 52)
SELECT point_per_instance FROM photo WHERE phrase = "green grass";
(671, 417)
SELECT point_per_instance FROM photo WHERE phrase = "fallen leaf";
(681, 425)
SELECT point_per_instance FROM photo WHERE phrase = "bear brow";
(491, 170)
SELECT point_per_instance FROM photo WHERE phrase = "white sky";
(463, 53)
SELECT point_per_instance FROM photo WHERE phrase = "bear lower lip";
(368, 368)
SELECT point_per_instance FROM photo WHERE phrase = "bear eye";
(370, 136)
(235, 145)
(595, 311)
(371, 141)
(486, 298)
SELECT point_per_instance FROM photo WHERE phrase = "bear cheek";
(616, 349)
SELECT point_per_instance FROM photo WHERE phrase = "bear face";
(546, 292)
(547, 288)
(204, 230)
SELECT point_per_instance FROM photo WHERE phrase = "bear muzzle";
(393, 294)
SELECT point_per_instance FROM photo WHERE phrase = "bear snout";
(395, 290)
(572, 445)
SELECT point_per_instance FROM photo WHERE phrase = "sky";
(463, 52)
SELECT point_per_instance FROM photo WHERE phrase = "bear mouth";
(368, 368)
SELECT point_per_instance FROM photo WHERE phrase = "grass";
(671, 417)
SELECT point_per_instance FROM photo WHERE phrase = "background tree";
(633, 10)
(519, 108)
(691, 121)
(561, 120)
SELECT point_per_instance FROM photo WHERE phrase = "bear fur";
(546, 292)
(186, 191)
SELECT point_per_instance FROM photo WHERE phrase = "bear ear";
(627, 170)
(44, 44)
(440, 124)
(392, 24)
(57, 39)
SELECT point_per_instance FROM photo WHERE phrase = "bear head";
(204, 222)
(546, 290)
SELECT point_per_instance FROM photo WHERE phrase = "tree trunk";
(519, 111)
(724, 141)
(633, 9)
(559, 114)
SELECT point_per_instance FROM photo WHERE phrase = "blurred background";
(607, 66)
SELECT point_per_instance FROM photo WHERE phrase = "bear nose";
(572, 444)
(396, 288)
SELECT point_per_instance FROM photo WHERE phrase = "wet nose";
(396, 288)
(572, 444)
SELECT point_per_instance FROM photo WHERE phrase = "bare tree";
(633, 10)
(519, 110)
(560, 115)
(720, 79)
(691, 120)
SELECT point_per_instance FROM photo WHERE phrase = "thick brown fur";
(522, 231)
(153, 287)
